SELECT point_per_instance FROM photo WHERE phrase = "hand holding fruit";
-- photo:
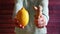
(39, 17)
(22, 18)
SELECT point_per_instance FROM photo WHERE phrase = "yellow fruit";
(23, 17)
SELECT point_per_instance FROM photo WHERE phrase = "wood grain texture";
(6, 23)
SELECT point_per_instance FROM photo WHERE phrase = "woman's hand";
(39, 17)
(17, 24)
(40, 22)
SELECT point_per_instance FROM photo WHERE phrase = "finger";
(43, 22)
(21, 26)
(41, 16)
(39, 24)
(17, 24)
(36, 22)
(40, 7)
(35, 8)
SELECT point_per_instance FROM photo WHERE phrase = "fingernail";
(35, 8)
(21, 26)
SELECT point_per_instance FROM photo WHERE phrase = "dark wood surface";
(6, 11)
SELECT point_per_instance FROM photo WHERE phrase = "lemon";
(23, 17)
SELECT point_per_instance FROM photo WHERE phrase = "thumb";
(35, 8)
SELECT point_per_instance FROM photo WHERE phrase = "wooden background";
(7, 25)
(6, 11)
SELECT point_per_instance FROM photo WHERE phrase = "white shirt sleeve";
(45, 10)
(19, 5)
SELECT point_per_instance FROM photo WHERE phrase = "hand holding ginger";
(39, 17)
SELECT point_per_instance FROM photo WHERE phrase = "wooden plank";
(7, 1)
(6, 6)
(5, 17)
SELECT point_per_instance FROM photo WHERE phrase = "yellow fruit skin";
(23, 17)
